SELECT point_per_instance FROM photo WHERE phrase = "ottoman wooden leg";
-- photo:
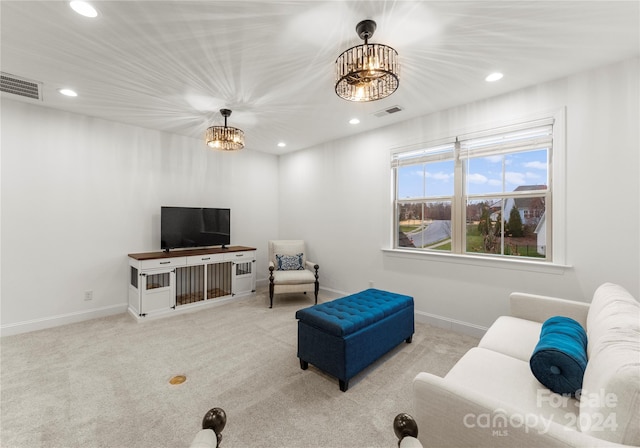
(344, 385)
(409, 339)
(304, 365)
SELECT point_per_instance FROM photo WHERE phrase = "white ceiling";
(171, 65)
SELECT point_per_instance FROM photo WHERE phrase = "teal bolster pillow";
(560, 358)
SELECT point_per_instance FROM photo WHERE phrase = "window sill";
(517, 264)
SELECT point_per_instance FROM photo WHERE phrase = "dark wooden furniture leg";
(270, 286)
(405, 426)
(215, 420)
(317, 288)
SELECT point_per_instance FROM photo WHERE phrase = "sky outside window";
(491, 174)
(503, 173)
(429, 179)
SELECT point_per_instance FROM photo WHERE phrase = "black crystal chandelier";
(367, 72)
(225, 138)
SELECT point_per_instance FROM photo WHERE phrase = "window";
(487, 193)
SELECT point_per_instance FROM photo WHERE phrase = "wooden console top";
(188, 252)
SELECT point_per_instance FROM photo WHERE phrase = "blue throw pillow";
(289, 262)
(560, 358)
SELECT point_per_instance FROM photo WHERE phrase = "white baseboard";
(334, 291)
(61, 319)
(458, 326)
(450, 324)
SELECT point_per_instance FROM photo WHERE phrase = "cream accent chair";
(302, 280)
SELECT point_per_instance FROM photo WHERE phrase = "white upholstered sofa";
(490, 398)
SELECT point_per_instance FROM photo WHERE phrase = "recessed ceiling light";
(494, 77)
(282, 144)
(354, 121)
(67, 92)
(83, 8)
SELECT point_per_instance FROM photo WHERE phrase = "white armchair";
(289, 269)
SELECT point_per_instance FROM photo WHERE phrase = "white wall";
(80, 193)
(337, 196)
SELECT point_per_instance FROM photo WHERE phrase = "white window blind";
(423, 155)
(526, 137)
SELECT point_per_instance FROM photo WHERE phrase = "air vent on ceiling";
(387, 111)
(20, 86)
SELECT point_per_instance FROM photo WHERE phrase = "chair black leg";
(344, 385)
(317, 282)
(271, 286)
(304, 365)
(271, 295)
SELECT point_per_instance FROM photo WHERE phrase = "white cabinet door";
(244, 277)
(157, 290)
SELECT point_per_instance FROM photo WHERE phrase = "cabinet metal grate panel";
(243, 268)
(189, 284)
(156, 281)
(219, 280)
(134, 277)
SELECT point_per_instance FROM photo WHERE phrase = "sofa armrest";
(540, 308)
(451, 415)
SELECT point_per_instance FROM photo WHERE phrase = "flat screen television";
(183, 227)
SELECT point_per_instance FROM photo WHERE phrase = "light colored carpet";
(105, 382)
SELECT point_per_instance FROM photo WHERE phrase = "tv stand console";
(166, 282)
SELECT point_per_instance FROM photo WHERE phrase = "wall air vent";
(20, 86)
(387, 111)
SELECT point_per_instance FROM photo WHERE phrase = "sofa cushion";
(512, 336)
(509, 380)
(610, 399)
(560, 358)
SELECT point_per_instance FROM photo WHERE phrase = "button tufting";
(349, 314)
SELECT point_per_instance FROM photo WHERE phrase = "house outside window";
(482, 194)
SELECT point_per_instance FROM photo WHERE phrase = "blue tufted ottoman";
(344, 336)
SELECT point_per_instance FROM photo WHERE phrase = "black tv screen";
(182, 227)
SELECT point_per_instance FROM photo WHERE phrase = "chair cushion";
(560, 358)
(293, 277)
(289, 262)
(610, 399)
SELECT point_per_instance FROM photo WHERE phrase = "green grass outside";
(475, 243)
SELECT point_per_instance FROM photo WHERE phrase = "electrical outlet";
(88, 295)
